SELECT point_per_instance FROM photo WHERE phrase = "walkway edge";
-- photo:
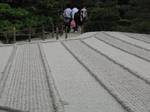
(56, 99)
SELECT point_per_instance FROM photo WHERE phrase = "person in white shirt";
(67, 17)
(83, 15)
(74, 17)
(83, 18)
(74, 11)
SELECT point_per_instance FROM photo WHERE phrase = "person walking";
(67, 17)
(74, 18)
(83, 17)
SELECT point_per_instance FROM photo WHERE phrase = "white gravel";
(5, 52)
(124, 46)
(78, 90)
(142, 37)
(26, 87)
(135, 64)
(93, 75)
(131, 91)
(130, 40)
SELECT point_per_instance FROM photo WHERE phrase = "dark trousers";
(67, 24)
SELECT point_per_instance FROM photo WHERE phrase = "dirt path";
(79, 91)
(131, 92)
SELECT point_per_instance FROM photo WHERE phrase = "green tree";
(103, 17)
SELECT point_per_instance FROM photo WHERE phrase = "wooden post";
(14, 34)
(62, 30)
(57, 30)
(30, 34)
(7, 40)
(53, 30)
(82, 29)
(66, 35)
(43, 33)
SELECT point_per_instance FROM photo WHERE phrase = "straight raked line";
(105, 33)
(3, 80)
(54, 94)
(121, 49)
(114, 95)
(121, 65)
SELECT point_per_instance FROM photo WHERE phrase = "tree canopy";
(120, 15)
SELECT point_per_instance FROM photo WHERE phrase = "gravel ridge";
(141, 37)
(57, 102)
(79, 91)
(129, 40)
(129, 90)
(124, 46)
(26, 88)
(127, 61)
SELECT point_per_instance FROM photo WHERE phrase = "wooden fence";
(13, 35)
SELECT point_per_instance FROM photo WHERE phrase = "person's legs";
(76, 27)
(68, 26)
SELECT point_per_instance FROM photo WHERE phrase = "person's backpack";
(83, 15)
(73, 24)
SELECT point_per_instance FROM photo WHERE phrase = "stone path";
(93, 72)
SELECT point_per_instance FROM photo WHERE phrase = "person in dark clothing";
(77, 20)
(75, 10)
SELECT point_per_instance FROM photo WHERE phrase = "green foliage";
(4, 8)
(141, 26)
(103, 19)
(37, 21)
(137, 12)
(5, 24)
(18, 13)
(122, 15)
(20, 18)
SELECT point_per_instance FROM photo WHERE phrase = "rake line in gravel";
(115, 96)
(8, 109)
(127, 69)
(136, 38)
(123, 49)
(126, 42)
(54, 94)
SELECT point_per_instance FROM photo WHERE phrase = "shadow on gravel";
(8, 109)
